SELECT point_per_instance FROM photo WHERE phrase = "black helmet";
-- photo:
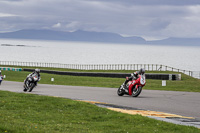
(37, 70)
(141, 71)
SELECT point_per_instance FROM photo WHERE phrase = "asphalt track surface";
(180, 103)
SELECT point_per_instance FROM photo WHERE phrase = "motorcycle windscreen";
(35, 77)
(142, 79)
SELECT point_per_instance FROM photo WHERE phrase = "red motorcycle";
(133, 88)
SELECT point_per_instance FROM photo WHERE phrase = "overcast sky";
(150, 19)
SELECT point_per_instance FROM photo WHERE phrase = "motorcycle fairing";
(132, 84)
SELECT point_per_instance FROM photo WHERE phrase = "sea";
(48, 51)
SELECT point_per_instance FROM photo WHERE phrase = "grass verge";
(22, 113)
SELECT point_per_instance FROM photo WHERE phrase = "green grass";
(29, 113)
(186, 84)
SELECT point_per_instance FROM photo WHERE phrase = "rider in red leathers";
(135, 80)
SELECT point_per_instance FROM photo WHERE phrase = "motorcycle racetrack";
(172, 106)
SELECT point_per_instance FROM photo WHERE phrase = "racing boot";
(124, 84)
(125, 88)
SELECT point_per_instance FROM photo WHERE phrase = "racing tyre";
(136, 91)
(32, 85)
(25, 88)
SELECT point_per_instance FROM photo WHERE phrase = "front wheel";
(25, 85)
(136, 91)
(31, 86)
(28, 86)
(25, 88)
(120, 91)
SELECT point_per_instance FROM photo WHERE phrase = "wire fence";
(148, 67)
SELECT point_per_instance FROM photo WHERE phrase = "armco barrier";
(113, 75)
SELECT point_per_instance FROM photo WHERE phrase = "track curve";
(180, 103)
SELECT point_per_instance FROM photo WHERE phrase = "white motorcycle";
(30, 82)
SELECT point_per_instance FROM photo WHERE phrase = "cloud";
(153, 2)
(155, 18)
(11, 0)
(159, 24)
(73, 26)
(58, 25)
(7, 15)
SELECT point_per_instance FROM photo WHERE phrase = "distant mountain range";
(88, 36)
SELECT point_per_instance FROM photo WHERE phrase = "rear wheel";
(136, 91)
(120, 91)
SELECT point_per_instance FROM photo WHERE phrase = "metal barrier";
(148, 67)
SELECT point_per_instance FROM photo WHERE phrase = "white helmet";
(37, 70)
